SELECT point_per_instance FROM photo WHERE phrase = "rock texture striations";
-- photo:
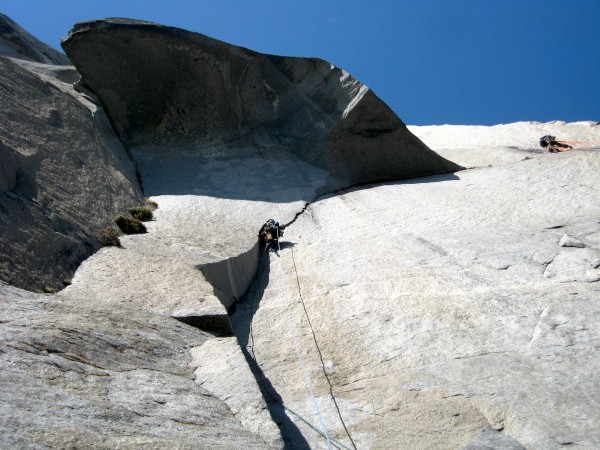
(77, 376)
(65, 174)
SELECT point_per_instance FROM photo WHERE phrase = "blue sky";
(479, 62)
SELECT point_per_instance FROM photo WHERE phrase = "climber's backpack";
(545, 140)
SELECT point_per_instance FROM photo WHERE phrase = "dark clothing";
(270, 233)
(552, 144)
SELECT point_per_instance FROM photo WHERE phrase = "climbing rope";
(319, 352)
(337, 444)
(293, 333)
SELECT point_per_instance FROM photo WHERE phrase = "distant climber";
(553, 145)
(270, 233)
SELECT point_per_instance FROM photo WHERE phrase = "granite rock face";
(64, 173)
(76, 376)
(80, 370)
(169, 90)
(430, 310)
(65, 177)
(440, 312)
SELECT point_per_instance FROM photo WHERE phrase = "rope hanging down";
(337, 444)
(293, 333)
(319, 352)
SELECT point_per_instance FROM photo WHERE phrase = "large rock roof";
(175, 89)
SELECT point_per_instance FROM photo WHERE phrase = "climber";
(270, 233)
(553, 145)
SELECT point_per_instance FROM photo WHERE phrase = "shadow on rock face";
(241, 321)
(217, 325)
(245, 174)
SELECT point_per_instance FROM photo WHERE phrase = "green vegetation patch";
(142, 213)
(130, 225)
(109, 237)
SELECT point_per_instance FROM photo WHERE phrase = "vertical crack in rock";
(241, 320)
(241, 314)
